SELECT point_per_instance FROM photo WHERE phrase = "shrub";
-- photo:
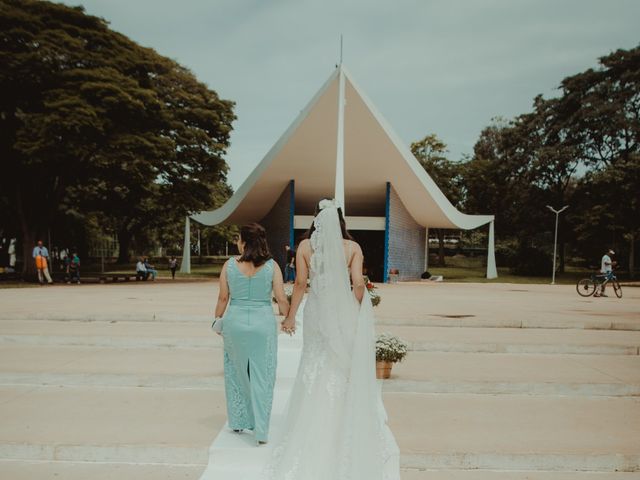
(532, 261)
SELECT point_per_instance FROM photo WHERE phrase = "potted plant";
(389, 350)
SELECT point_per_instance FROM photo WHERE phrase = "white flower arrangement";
(288, 291)
(390, 348)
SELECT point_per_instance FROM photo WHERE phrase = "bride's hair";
(256, 248)
(343, 225)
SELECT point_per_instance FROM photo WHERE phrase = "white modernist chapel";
(340, 146)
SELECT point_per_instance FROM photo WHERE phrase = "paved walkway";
(503, 381)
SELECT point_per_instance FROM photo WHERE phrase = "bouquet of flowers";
(390, 348)
(371, 289)
(288, 291)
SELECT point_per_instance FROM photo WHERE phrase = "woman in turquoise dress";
(250, 331)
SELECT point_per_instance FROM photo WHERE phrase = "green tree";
(94, 123)
(605, 107)
(580, 148)
(498, 178)
(431, 152)
(543, 144)
(605, 115)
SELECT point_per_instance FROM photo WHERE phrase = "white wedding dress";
(335, 423)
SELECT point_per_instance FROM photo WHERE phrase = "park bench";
(10, 276)
(114, 277)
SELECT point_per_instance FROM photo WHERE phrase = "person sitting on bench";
(141, 270)
(150, 269)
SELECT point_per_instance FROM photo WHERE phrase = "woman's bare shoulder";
(355, 246)
(304, 245)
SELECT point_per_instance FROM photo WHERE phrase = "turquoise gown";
(250, 337)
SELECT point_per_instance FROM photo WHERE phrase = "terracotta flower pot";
(383, 369)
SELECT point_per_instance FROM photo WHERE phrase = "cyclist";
(606, 269)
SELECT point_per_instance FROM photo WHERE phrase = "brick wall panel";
(406, 240)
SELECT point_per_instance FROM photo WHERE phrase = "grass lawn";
(207, 270)
(92, 272)
(458, 269)
(471, 269)
(477, 275)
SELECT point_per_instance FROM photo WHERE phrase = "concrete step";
(425, 304)
(516, 432)
(452, 320)
(420, 372)
(503, 373)
(57, 470)
(447, 431)
(409, 474)
(431, 339)
(518, 340)
(518, 306)
(391, 386)
(123, 425)
(24, 470)
(471, 320)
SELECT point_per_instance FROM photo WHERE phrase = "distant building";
(341, 147)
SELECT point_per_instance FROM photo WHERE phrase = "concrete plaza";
(502, 382)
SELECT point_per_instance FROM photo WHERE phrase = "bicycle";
(587, 287)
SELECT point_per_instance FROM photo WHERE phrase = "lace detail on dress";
(271, 364)
(239, 417)
(311, 364)
(336, 386)
(317, 279)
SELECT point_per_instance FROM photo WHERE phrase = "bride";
(335, 426)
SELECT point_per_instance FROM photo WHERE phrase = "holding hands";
(288, 325)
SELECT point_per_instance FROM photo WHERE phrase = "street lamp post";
(555, 241)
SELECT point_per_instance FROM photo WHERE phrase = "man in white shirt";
(141, 270)
(606, 268)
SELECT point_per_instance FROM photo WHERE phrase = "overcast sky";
(430, 66)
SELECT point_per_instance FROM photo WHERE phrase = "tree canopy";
(93, 123)
(580, 148)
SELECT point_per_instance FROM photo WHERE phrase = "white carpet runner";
(236, 456)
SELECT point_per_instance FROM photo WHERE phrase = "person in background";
(141, 270)
(64, 259)
(173, 264)
(41, 257)
(290, 266)
(74, 269)
(606, 269)
(66, 267)
(12, 255)
(4, 257)
(150, 269)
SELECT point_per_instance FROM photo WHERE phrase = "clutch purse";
(216, 326)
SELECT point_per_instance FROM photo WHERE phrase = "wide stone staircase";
(500, 383)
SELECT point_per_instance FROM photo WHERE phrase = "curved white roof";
(373, 155)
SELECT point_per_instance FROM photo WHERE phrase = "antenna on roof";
(340, 49)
